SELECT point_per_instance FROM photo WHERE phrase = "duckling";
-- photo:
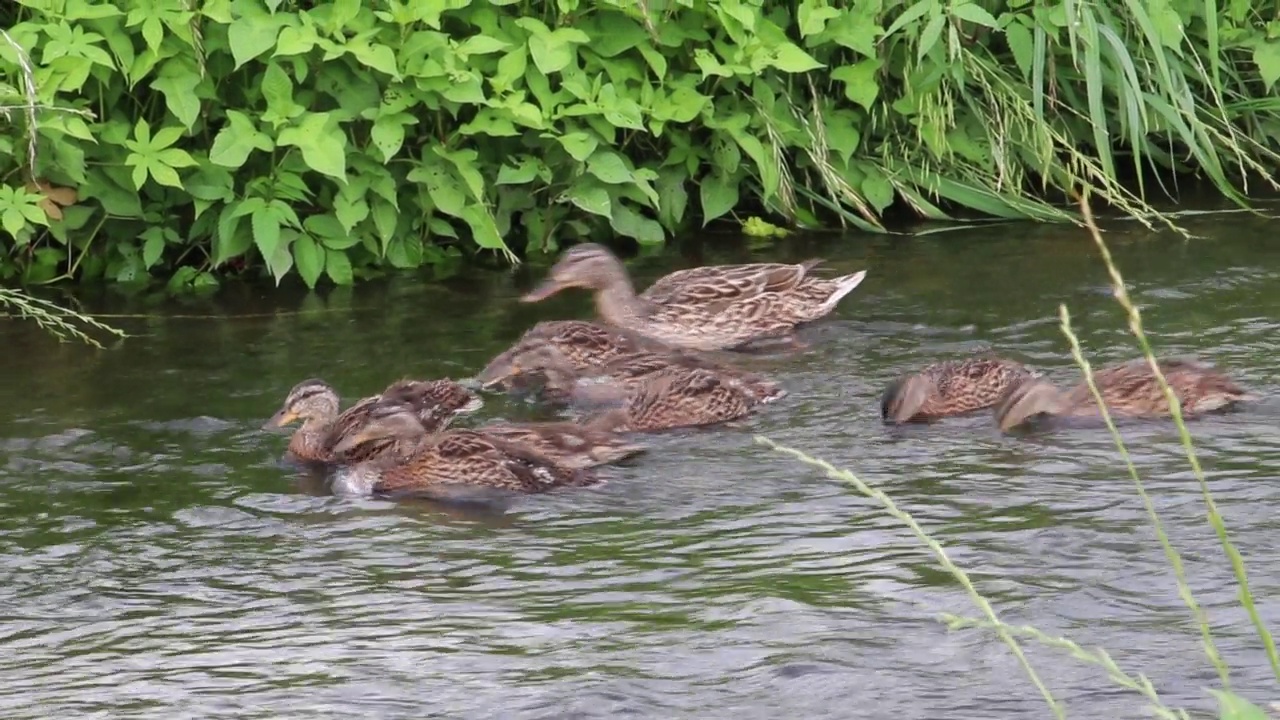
(570, 444)
(315, 402)
(1129, 389)
(438, 461)
(951, 387)
(704, 308)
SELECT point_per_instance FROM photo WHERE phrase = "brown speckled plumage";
(458, 457)
(707, 308)
(435, 403)
(582, 345)
(1129, 389)
(951, 387)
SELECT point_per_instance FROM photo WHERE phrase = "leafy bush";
(337, 139)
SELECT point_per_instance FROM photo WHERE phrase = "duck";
(564, 381)
(710, 308)
(950, 388)
(595, 441)
(582, 345)
(1129, 389)
(451, 459)
(313, 401)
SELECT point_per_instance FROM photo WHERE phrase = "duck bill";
(280, 419)
(543, 291)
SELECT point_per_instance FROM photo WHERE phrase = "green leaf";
(323, 145)
(295, 41)
(1266, 55)
(179, 90)
(628, 222)
(350, 210)
(930, 35)
(790, 58)
(484, 230)
(719, 196)
(445, 190)
(673, 199)
(236, 139)
(522, 173)
(249, 38)
(1234, 707)
(164, 175)
(579, 145)
(13, 221)
(266, 232)
(974, 13)
(388, 133)
(309, 258)
(590, 196)
(609, 167)
(813, 16)
(1018, 36)
(859, 80)
(481, 45)
(378, 57)
(152, 249)
(338, 267)
(877, 189)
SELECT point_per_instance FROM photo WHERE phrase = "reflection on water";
(159, 559)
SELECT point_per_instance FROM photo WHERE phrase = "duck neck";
(617, 302)
(308, 441)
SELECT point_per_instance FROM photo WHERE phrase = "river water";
(160, 561)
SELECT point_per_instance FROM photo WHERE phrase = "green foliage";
(338, 139)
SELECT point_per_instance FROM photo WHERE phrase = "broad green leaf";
(790, 58)
(164, 174)
(1266, 55)
(236, 139)
(719, 195)
(1021, 44)
(338, 267)
(483, 228)
(322, 143)
(813, 16)
(481, 45)
(579, 144)
(523, 172)
(445, 190)
(877, 189)
(309, 258)
(152, 249)
(378, 57)
(673, 199)
(249, 38)
(350, 210)
(281, 260)
(295, 40)
(589, 195)
(859, 80)
(266, 232)
(628, 222)
(179, 90)
(930, 35)
(388, 133)
(609, 167)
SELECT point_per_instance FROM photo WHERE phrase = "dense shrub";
(182, 137)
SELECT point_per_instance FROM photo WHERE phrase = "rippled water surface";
(160, 561)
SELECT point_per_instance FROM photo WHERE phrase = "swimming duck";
(951, 387)
(581, 344)
(435, 402)
(709, 308)
(627, 371)
(1129, 389)
(443, 460)
(595, 441)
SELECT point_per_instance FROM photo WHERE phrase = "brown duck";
(582, 345)
(951, 387)
(445, 460)
(435, 403)
(1129, 389)
(708, 308)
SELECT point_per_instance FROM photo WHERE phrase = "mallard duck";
(711, 308)
(315, 402)
(582, 345)
(951, 387)
(676, 397)
(571, 444)
(449, 459)
(627, 371)
(1129, 389)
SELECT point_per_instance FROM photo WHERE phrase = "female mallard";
(627, 371)
(445, 460)
(582, 345)
(951, 387)
(314, 402)
(710, 308)
(677, 397)
(1129, 389)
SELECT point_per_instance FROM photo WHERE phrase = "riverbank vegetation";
(1231, 704)
(189, 139)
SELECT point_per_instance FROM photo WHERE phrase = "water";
(159, 560)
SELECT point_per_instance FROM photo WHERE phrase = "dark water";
(159, 561)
